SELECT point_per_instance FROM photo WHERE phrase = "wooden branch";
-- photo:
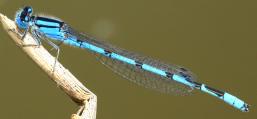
(63, 78)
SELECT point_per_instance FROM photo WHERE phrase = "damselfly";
(139, 69)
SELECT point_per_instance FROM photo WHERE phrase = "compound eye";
(28, 9)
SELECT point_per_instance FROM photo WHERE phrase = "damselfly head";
(23, 17)
(26, 13)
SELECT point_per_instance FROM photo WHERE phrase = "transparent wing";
(137, 75)
(144, 78)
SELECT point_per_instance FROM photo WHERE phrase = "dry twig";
(63, 78)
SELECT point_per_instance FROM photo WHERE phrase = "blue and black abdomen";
(137, 68)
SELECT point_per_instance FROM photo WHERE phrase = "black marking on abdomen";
(139, 64)
(80, 42)
(197, 85)
(188, 79)
(183, 74)
(217, 92)
(107, 53)
(168, 74)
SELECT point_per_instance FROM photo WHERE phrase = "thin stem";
(63, 78)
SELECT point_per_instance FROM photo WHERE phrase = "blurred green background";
(215, 39)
